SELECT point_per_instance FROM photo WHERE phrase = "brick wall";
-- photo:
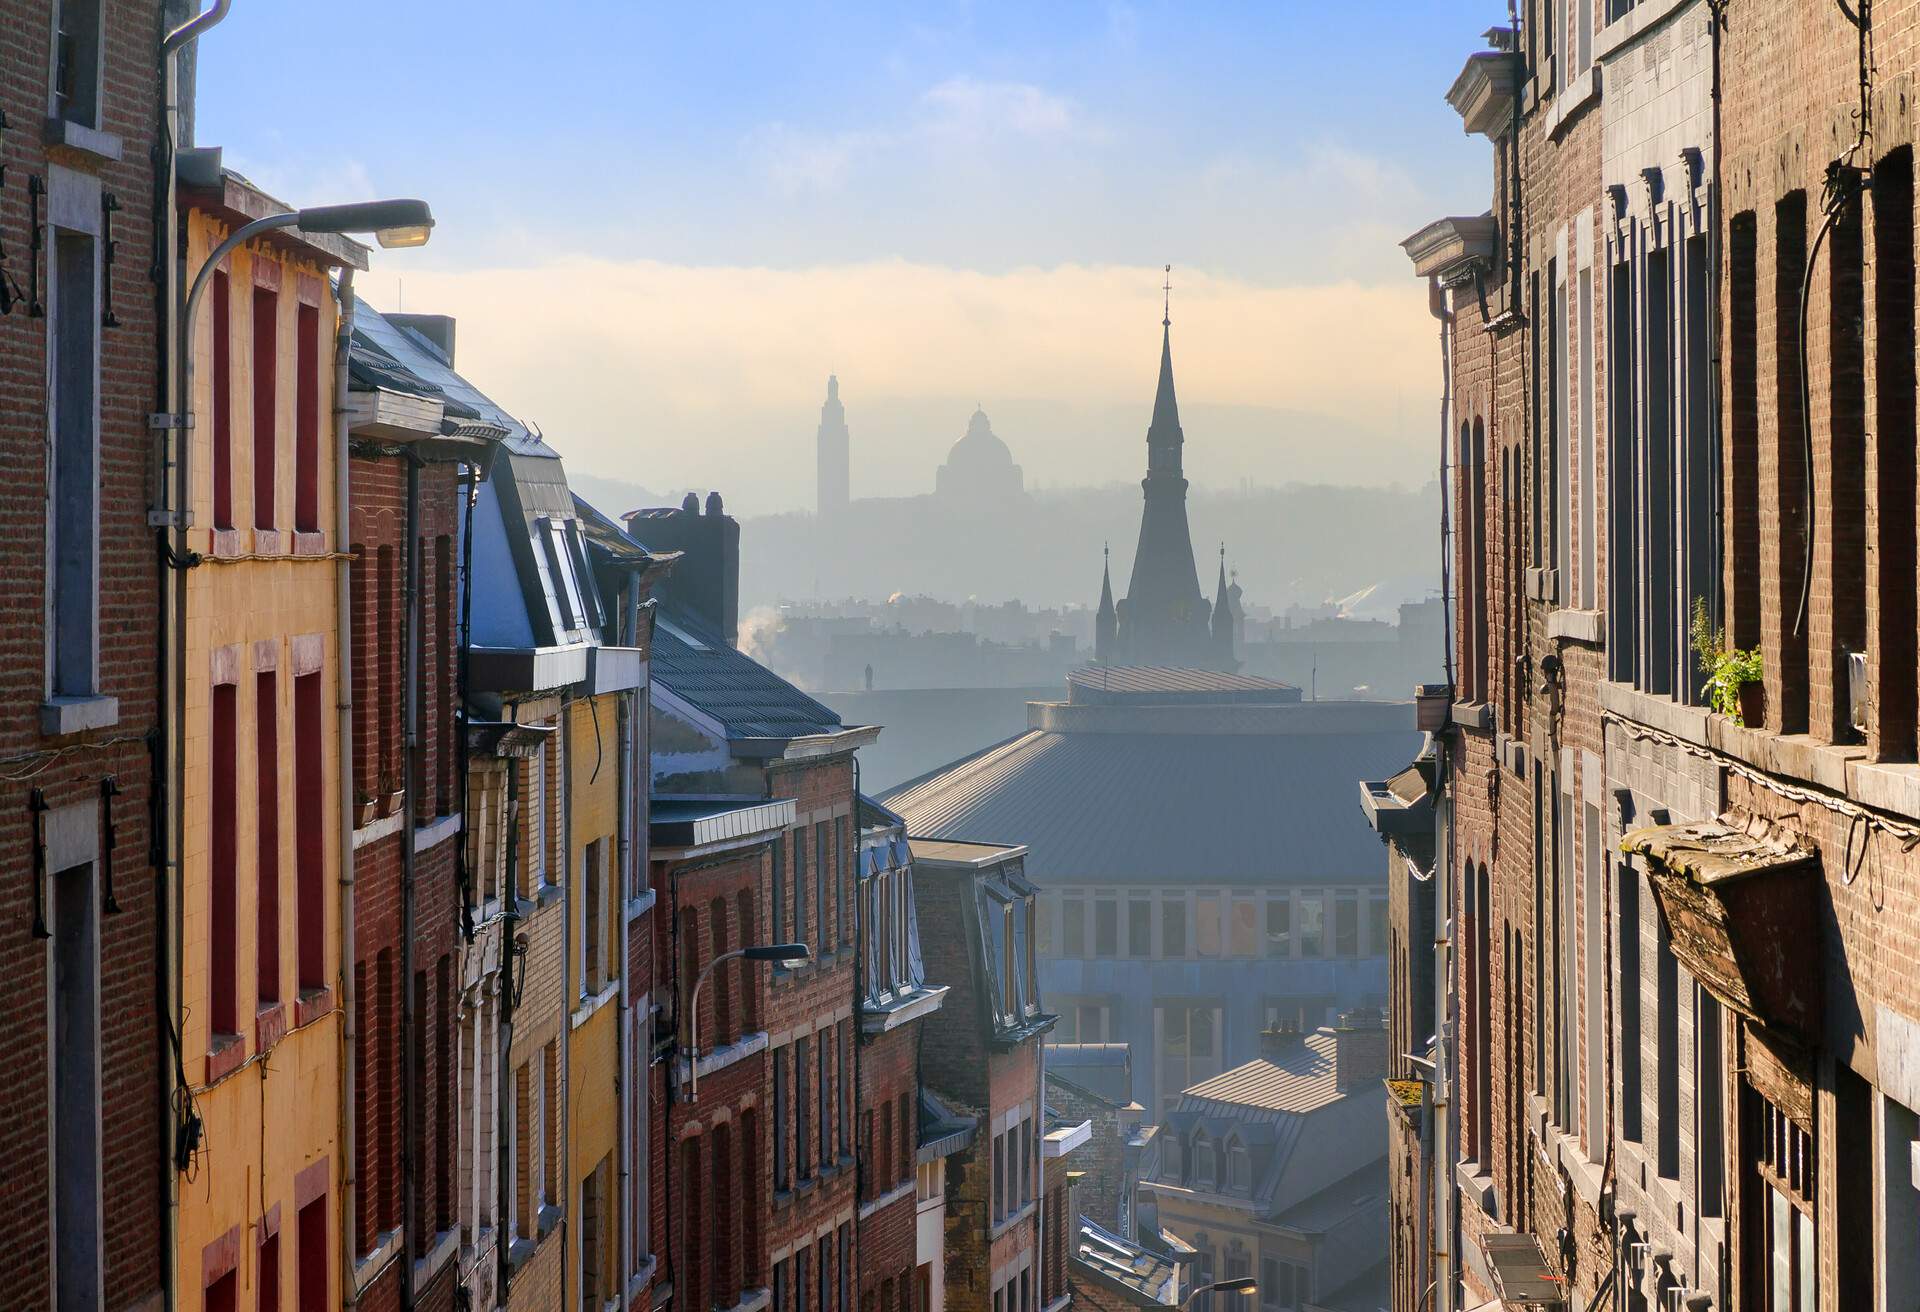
(134, 1177)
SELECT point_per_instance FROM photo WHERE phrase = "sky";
(661, 226)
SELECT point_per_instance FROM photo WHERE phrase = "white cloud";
(972, 109)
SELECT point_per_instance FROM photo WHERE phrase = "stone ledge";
(1567, 625)
(60, 716)
(79, 139)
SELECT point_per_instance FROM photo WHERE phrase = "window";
(1785, 1169)
(781, 1098)
(843, 864)
(1106, 926)
(1895, 439)
(802, 1281)
(73, 535)
(802, 1102)
(223, 1011)
(306, 419)
(1346, 923)
(1239, 1168)
(1206, 925)
(76, 62)
(1743, 419)
(1189, 1046)
(1622, 505)
(74, 1070)
(593, 1241)
(823, 874)
(266, 382)
(1789, 715)
(593, 916)
(311, 1236)
(266, 733)
(1073, 926)
(1710, 1104)
(800, 885)
(1376, 924)
(1173, 925)
(1627, 884)
(1666, 1067)
(1243, 925)
(221, 312)
(779, 886)
(1594, 857)
(826, 1047)
(1555, 473)
(1204, 1160)
(309, 830)
(1280, 926)
(1587, 460)
(1311, 926)
(1140, 924)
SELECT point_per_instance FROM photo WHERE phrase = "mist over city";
(969, 657)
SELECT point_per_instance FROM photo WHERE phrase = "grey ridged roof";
(1302, 1081)
(746, 697)
(1150, 807)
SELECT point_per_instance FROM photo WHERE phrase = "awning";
(1740, 899)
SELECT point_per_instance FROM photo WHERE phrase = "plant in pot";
(1734, 685)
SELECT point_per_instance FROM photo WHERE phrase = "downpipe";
(343, 675)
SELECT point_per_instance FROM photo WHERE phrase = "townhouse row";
(1653, 1011)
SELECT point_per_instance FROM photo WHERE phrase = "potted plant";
(363, 804)
(1734, 685)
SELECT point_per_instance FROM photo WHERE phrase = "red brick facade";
(69, 774)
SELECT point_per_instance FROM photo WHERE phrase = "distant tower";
(831, 445)
(1106, 622)
(1223, 616)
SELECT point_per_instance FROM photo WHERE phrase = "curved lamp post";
(793, 953)
(1242, 1285)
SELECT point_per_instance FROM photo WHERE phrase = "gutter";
(343, 668)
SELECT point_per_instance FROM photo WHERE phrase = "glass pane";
(1806, 1263)
(1073, 927)
(1780, 1252)
(1346, 924)
(1312, 927)
(1106, 928)
(1206, 924)
(1173, 926)
(1200, 1031)
(1245, 932)
(1139, 927)
(1280, 926)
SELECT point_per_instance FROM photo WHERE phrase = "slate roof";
(1125, 807)
(1302, 1081)
(380, 345)
(748, 699)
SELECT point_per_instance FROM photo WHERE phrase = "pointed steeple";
(1164, 435)
(1106, 620)
(1223, 609)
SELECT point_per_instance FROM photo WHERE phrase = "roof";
(1123, 807)
(695, 822)
(745, 697)
(1302, 1081)
(943, 1131)
(961, 853)
(1100, 1071)
(381, 343)
(1163, 684)
(1360, 1191)
(1147, 1277)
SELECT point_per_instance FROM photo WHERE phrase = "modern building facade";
(1201, 873)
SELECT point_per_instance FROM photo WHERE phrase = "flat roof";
(961, 851)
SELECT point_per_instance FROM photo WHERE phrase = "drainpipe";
(504, 1219)
(1440, 1158)
(627, 745)
(168, 839)
(343, 665)
(562, 1190)
(409, 839)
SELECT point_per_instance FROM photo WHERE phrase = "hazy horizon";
(964, 204)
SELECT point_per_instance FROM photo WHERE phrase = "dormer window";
(1176, 1165)
(1239, 1167)
(1205, 1167)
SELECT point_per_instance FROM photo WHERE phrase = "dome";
(979, 464)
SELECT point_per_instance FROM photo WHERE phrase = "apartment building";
(81, 323)
(1671, 1036)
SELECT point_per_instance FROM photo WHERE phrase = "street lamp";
(798, 954)
(1241, 1285)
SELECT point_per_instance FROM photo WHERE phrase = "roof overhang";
(383, 414)
(526, 669)
(501, 738)
(206, 185)
(1063, 1140)
(749, 823)
(1739, 898)
(1483, 94)
(1454, 249)
(1521, 1274)
(615, 669)
(1398, 806)
(806, 747)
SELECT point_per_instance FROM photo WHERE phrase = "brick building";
(414, 453)
(982, 1057)
(1681, 380)
(757, 779)
(81, 321)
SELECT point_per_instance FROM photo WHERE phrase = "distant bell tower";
(831, 448)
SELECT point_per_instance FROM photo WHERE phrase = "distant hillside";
(1290, 544)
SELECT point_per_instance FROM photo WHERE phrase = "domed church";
(979, 466)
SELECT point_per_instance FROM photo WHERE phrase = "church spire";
(1106, 620)
(1223, 610)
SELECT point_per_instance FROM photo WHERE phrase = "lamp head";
(394, 223)
(792, 953)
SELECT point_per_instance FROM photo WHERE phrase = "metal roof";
(1174, 683)
(746, 697)
(1149, 807)
(1300, 1082)
(1133, 1267)
(412, 352)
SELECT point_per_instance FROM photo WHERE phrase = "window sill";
(548, 895)
(592, 1003)
(369, 1266)
(1543, 584)
(718, 1059)
(886, 1199)
(224, 1057)
(269, 1026)
(1476, 1183)
(1569, 625)
(61, 716)
(639, 906)
(1007, 1223)
(1580, 92)
(311, 1005)
(1473, 715)
(309, 543)
(445, 1245)
(640, 1281)
(97, 146)
(1623, 30)
(436, 831)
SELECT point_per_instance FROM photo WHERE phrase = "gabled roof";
(746, 698)
(1300, 1082)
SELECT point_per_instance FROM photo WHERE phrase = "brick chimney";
(1359, 1047)
(706, 583)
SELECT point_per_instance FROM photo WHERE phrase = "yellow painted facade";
(260, 601)
(595, 904)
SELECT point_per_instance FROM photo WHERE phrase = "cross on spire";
(1166, 308)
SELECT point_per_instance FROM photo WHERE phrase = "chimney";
(1282, 1041)
(1359, 1047)
(436, 328)
(705, 584)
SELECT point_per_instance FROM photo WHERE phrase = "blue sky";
(849, 155)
